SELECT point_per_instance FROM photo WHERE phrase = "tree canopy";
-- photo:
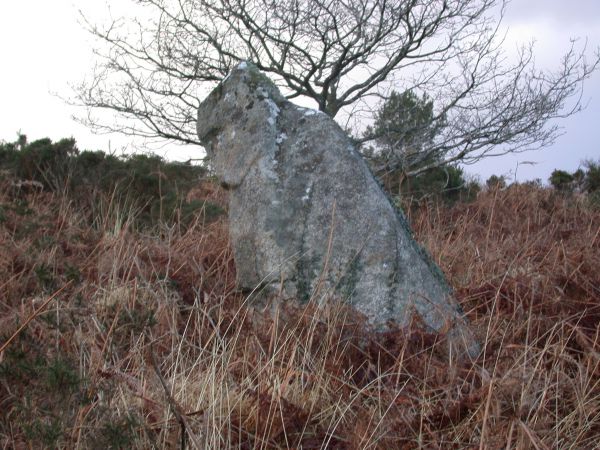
(155, 66)
(404, 131)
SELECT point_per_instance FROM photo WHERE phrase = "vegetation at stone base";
(147, 343)
(148, 186)
(446, 184)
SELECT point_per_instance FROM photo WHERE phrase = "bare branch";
(153, 72)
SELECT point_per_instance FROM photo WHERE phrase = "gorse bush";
(447, 184)
(591, 181)
(44, 161)
(152, 187)
(586, 179)
(495, 182)
(562, 180)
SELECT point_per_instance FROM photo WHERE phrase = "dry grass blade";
(175, 408)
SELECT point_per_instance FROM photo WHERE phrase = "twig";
(539, 445)
(183, 423)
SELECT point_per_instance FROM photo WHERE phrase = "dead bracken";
(148, 344)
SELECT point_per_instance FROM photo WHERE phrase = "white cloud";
(563, 13)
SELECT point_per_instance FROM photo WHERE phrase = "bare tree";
(344, 55)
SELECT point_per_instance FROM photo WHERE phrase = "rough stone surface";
(307, 218)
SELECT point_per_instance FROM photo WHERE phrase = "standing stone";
(306, 215)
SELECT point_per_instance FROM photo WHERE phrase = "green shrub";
(496, 182)
(47, 431)
(591, 181)
(562, 181)
(446, 183)
(119, 433)
(147, 184)
(585, 180)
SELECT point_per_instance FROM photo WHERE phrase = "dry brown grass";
(150, 346)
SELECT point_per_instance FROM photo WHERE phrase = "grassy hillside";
(122, 333)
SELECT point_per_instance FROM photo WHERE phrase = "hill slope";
(118, 335)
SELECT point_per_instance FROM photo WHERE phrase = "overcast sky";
(43, 48)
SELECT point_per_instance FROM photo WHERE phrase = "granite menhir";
(306, 216)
